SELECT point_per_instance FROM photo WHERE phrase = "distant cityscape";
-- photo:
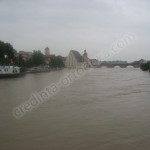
(28, 59)
(75, 59)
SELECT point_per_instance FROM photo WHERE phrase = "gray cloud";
(67, 24)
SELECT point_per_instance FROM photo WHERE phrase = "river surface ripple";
(107, 109)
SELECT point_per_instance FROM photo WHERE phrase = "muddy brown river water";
(106, 109)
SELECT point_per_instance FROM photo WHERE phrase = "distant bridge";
(120, 65)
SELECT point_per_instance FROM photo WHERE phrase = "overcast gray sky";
(77, 24)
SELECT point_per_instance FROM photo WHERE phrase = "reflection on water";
(107, 109)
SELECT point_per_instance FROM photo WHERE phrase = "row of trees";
(57, 62)
(145, 66)
(7, 55)
(37, 59)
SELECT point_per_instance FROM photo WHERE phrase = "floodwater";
(106, 109)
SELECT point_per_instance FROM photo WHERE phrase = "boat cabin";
(9, 70)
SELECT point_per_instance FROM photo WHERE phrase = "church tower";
(47, 51)
(85, 56)
(86, 59)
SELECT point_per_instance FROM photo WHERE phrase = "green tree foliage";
(6, 49)
(29, 63)
(20, 61)
(38, 58)
(145, 66)
(56, 62)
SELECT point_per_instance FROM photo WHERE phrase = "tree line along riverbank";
(145, 66)
(9, 56)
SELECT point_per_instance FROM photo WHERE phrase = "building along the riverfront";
(75, 59)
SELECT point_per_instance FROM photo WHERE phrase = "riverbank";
(24, 71)
(41, 69)
(145, 66)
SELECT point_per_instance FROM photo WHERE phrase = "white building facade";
(74, 60)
